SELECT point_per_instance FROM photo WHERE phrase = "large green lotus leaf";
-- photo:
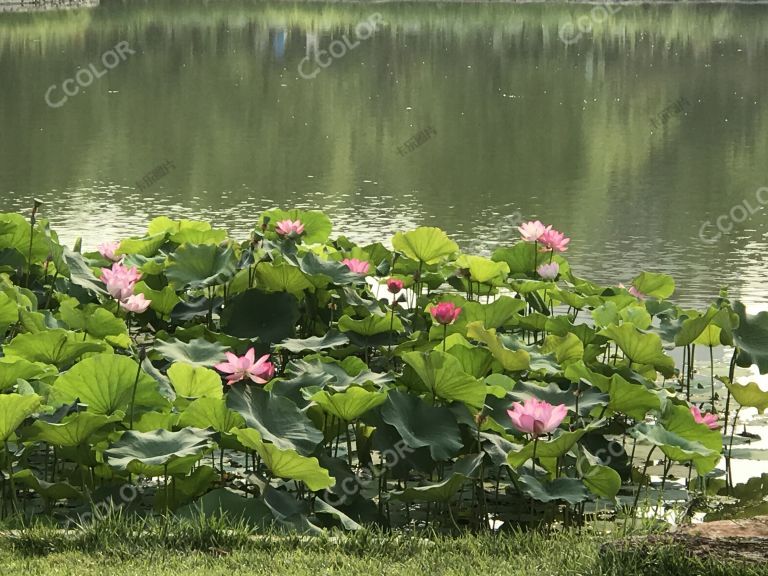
(511, 360)
(162, 301)
(195, 381)
(317, 226)
(15, 233)
(105, 383)
(196, 352)
(693, 327)
(483, 270)
(79, 273)
(493, 315)
(521, 258)
(586, 399)
(159, 452)
(445, 490)
(58, 347)
(606, 314)
(641, 348)
(164, 225)
(350, 404)
(93, 320)
(751, 337)
(74, 430)
(331, 339)
(153, 420)
(574, 300)
(47, 490)
(9, 313)
(277, 419)
(559, 445)
(282, 278)
(655, 285)
(571, 490)
(371, 325)
(603, 481)
(636, 314)
(322, 271)
(13, 369)
(425, 244)
(226, 503)
(287, 463)
(14, 408)
(634, 400)
(421, 425)
(562, 326)
(443, 376)
(211, 413)
(749, 395)
(682, 439)
(185, 489)
(200, 265)
(147, 247)
(474, 360)
(322, 507)
(270, 317)
(567, 349)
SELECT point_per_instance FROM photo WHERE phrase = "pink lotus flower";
(290, 228)
(108, 249)
(137, 304)
(394, 285)
(709, 420)
(533, 230)
(537, 417)
(445, 312)
(240, 368)
(549, 271)
(553, 240)
(120, 280)
(636, 293)
(356, 266)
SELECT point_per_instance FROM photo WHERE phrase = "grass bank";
(125, 548)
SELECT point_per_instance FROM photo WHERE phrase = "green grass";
(121, 547)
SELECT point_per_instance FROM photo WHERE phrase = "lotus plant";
(290, 228)
(137, 304)
(445, 313)
(108, 250)
(548, 271)
(709, 420)
(357, 266)
(536, 418)
(245, 367)
(553, 240)
(533, 230)
(120, 280)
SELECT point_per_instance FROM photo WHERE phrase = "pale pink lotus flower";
(636, 293)
(394, 285)
(709, 420)
(108, 249)
(260, 371)
(549, 271)
(356, 266)
(137, 304)
(120, 281)
(537, 417)
(553, 240)
(531, 231)
(290, 228)
(445, 312)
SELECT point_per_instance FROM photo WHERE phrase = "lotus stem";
(133, 393)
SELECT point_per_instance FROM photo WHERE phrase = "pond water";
(630, 134)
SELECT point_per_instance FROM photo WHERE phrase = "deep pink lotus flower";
(553, 240)
(709, 420)
(394, 285)
(120, 280)
(137, 304)
(549, 271)
(537, 417)
(356, 266)
(445, 312)
(290, 228)
(108, 249)
(533, 230)
(260, 371)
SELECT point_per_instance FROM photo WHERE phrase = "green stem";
(133, 393)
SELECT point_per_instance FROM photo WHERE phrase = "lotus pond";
(298, 380)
